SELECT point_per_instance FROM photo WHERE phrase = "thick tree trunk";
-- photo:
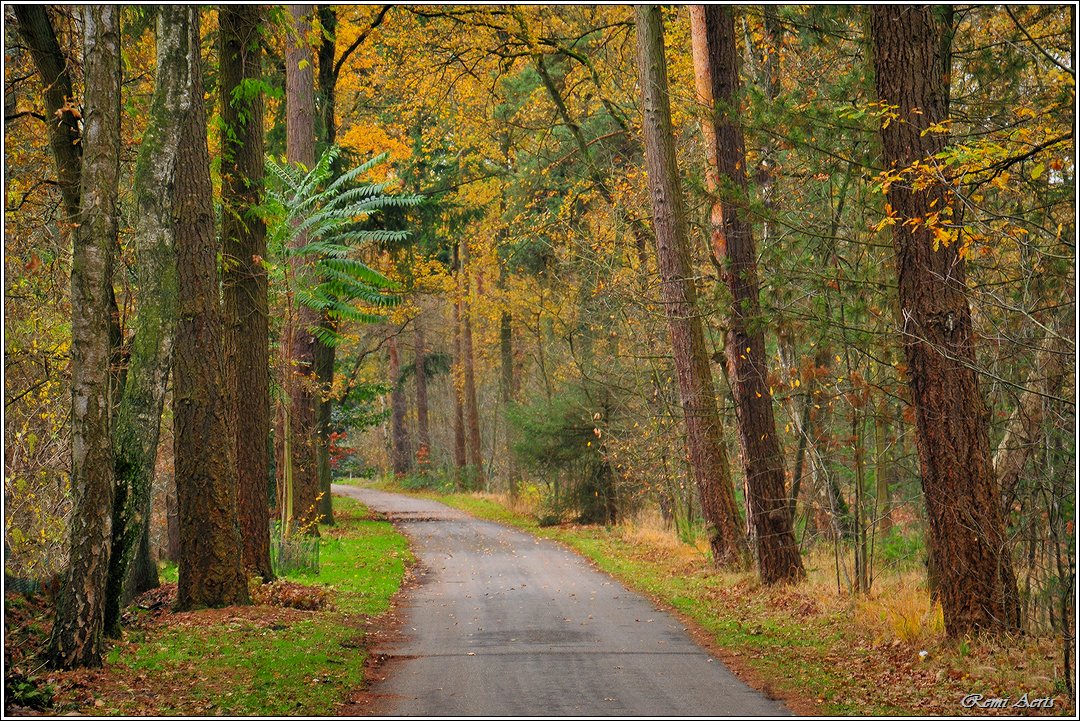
(717, 79)
(703, 428)
(80, 610)
(473, 451)
(301, 362)
(211, 551)
(400, 455)
(244, 281)
(138, 421)
(975, 579)
(423, 430)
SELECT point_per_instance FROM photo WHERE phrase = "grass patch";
(256, 660)
(824, 651)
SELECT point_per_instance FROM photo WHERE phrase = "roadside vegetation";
(300, 649)
(821, 650)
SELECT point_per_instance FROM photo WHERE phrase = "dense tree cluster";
(788, 275)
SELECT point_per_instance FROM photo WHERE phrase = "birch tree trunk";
(80, 609)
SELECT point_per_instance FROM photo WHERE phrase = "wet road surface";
(503, 623)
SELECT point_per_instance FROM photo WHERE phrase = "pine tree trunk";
(716, 73)
(473, 450)
(80, 610)
(244, 281)
(211, 552)
(506, 390)
(703, 427)
(423, 431)
(399, 433)
(138, 421)
(974, 572)
(460, 459)
(301, 364)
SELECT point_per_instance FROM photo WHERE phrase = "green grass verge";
(802, 647)
(301, 666)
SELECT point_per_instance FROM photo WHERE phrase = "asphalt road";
(505, 624)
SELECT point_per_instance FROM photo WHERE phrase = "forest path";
(504, 624)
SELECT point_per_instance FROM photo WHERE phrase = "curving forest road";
(505, 624)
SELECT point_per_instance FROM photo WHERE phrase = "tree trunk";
(474, 459)
(301, 363)
(1024, 430)
(80, 609)
(36, 30)
(716, 74)
(244, 281)
(52, 65)
(400, 460)
(327, 76)
(138, 421)
(506, 390)
(703, 428)
(963, 502)
(211, 551)
(325, 355)
(460, 460)
(423, 432)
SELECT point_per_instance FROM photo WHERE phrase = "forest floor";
(821, 651)
(299, 650)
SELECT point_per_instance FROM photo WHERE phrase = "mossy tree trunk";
(138, 421)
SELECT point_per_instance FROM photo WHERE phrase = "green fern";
(330, 211)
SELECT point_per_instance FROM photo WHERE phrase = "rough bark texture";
(211, 557)
(138, 421)
(400, 455)
(473, 452)
(244, 281)
(80, 609)
(717, 79)
(974, 575)
(703, 428)
(300, 364)
(423, 431)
